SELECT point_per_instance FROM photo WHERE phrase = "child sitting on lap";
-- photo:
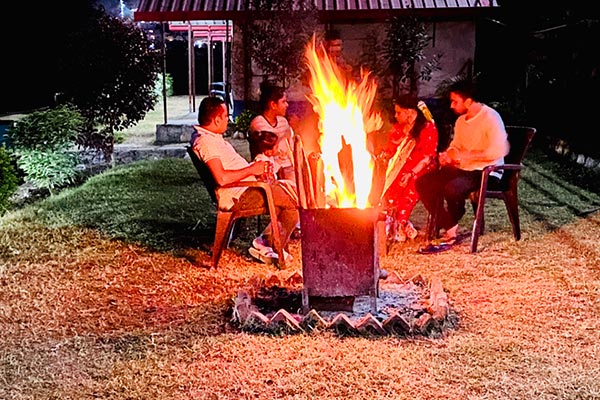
(265, 145)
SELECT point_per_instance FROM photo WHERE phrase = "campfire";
(340, 175)
(340, 232)
(340, 257)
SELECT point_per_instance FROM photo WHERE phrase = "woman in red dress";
(412, 151)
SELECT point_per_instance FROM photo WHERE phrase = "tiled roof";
(329, 10)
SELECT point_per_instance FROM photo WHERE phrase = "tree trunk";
(247, 51)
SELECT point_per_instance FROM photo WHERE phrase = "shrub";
(8, 179)
(158, 88)
(48, 169)
(51, 129)
(41, 141)
(242, 121)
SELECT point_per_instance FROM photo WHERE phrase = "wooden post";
(304, 180)
(347, 167)
(298, 166)
(318, 174)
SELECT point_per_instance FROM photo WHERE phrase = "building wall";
(455, 40)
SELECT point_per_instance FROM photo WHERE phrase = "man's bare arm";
(223, 176)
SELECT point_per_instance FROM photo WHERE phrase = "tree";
(108, 71)
(406, 38)
(277, 43)
(398, 60)
(550, 52)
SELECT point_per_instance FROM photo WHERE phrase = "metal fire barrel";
(340, 257)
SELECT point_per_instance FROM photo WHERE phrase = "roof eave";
(349, 16)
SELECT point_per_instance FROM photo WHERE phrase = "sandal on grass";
(434, 248)
(446, 240)
(265, 255)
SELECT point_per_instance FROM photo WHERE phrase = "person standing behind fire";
(412, 150)
(273, 107)
(333, 46)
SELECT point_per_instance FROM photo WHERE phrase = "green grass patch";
(160, 204)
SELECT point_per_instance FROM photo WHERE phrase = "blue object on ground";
(5, 125)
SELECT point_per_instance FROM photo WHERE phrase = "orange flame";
(345, 117)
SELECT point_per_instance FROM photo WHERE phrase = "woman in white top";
(273, 105)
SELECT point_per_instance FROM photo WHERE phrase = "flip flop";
(435, 248)
(264, 255)
(445, 241)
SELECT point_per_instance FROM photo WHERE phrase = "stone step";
(94, 162)
(125, 154)
(174, 133)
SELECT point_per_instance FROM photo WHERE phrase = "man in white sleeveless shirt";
(228, 166)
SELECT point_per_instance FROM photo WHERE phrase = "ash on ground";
(411, 308)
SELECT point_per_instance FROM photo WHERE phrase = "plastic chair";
(226, 218)
(505, 189)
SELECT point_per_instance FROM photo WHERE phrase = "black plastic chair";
(506, 189)
(226, 218)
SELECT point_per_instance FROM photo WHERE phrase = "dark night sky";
(30, 35)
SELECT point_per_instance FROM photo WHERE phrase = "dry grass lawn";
(85, 315)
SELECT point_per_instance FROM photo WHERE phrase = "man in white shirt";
(479, 140)
(228, 166)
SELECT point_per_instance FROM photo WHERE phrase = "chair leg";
(276, 234)
(512, 207)
(233, 232)
(432, 229)
(224, 226)
(275, 229)
(477, 224)
(429, 229)
(481, 223)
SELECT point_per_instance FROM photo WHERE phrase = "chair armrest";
(491, 168)
(258, 184)
(261, 185)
